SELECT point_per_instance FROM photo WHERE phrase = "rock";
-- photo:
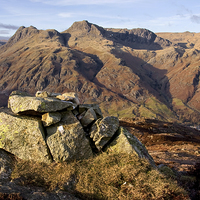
(24, 137)
(69, 96)
(44, 94)
(88, 118)
(7, 161)
(85, 107)
(103, 130)
(51, 118)
(67, 140)
(30, 105)
(125, 142)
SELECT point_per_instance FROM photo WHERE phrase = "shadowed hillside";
(129, 73)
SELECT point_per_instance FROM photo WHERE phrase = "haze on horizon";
(155, 15)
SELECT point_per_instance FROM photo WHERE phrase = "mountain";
(130, 73)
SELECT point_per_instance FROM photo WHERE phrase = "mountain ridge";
(126, 71)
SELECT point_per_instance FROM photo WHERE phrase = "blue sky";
(155, 15)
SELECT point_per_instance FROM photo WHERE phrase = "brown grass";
(10, 197)
(107, 176)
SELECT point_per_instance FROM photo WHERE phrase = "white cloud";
(83, 2)
(82, 14)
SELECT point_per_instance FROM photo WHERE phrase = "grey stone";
(20, 104)
(85, 107)
(67, 140)
(24, 137)
(103, 130)
(89, 117)
(125, 142)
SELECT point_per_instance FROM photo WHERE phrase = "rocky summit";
(46, 128)
(129, 73)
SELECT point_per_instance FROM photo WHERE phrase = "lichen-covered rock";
(51, 118)
(7, 161)
(88, 118)
(20, 103)
(125, 142)
(67, 140)
(103, 130)
(24, 137)
(95, 107)
(69, 96)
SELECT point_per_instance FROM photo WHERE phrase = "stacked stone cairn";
(56, 127)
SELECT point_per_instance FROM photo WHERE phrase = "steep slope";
(129, 72)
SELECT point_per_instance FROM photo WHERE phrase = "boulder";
(103, 130)
(30, 105)
(95, 107)
(24, 137)
(69, 96)
(7, 161)
(88, 118)
(67, 140)
(125, 142)
(51, 118)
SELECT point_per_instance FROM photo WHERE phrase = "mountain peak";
(82, 28)
(21, 33)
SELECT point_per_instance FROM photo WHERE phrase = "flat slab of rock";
(24, 137)
(66, 139)
(20, 104)
(103, 130)
(126, 142)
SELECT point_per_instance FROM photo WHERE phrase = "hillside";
(130, 73)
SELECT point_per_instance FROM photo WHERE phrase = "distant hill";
(128, 72)
(2, 42)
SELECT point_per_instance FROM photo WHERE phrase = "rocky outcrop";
(60, 130)
(127, 143)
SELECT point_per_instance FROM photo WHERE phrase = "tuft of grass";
(107, 176)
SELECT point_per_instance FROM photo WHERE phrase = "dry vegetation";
(106, 176)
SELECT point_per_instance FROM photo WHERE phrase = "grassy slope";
(106, 176)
